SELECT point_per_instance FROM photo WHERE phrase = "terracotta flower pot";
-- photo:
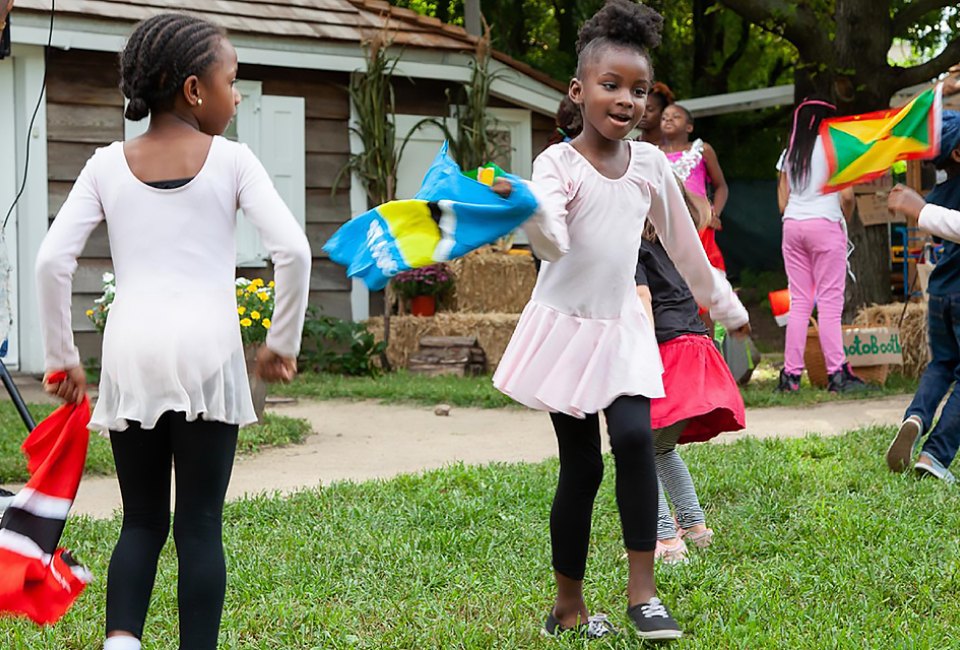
(423, 305)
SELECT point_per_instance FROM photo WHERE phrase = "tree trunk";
(870, 263)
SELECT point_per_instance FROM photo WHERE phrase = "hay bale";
(492, 331)
(488, 281)
(913, 332)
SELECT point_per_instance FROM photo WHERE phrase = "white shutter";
(246, 129)
(282, 150)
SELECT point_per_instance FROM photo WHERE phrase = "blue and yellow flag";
(450, 216)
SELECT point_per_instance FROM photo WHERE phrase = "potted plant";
(423, 286)
(255, 302)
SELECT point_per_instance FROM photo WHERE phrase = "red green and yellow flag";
(862, 147)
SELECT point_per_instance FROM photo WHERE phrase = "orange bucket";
(780, 305)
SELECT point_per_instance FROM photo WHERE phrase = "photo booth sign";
(872, 346)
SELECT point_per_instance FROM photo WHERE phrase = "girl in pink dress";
(583, 343)
(695, 163)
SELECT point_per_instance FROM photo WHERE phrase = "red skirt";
(708, 237)
(699, 388)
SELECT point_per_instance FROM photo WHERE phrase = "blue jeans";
(943, 335)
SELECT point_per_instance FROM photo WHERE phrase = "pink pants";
(815, 257)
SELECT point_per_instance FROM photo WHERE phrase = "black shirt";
(675, 312)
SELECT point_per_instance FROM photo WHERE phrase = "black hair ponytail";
(803, 137)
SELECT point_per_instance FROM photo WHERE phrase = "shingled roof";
(328, 20)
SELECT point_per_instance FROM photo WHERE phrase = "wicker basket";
(817, 367)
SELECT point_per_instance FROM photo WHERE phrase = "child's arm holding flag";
(935, 219)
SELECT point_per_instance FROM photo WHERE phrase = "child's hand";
(715, 222)
(742, 332)
(905, 200)
(70, 386)
(951, 85)
(275, 367)
(502, 187)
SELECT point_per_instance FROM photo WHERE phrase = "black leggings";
(581, 471)
(202, 453)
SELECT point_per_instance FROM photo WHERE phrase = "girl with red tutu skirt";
(702, 398)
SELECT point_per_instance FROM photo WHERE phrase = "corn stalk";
(473, 144)
(371, 93)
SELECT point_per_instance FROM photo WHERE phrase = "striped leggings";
(673, 479)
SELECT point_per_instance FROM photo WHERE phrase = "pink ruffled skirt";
(569, 364)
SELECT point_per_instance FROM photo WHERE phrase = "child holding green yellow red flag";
(937, 215)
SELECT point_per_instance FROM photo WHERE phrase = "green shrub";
(338, 346)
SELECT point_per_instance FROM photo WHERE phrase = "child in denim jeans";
(937, 216)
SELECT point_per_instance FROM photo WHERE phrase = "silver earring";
(199, 101)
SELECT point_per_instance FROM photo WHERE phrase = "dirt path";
(366, 440)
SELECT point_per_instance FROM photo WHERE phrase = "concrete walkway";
(366, 440)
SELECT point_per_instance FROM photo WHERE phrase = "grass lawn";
(276, 431)
(817, 546)
(403, 387)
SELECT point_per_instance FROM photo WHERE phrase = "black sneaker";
(844, 381)
(788, 383)
(653, 621)
(596, 627)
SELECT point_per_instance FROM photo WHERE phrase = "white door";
(21, 85)
(421, 149)
(8, 191)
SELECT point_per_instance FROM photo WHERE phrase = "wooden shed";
(296, 57)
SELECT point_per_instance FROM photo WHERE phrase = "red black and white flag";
(37, 579)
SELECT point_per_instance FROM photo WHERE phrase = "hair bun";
(137, 109)
(625, 22)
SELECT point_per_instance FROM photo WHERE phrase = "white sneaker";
(928, 465)
(901, 449)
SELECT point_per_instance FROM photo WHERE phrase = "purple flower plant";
(430, 280)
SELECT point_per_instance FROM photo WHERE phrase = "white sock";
(122, 643)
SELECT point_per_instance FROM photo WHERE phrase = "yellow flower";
(263, 296)
(239, 292)
(257, 282)
(270, 284)
(89, 312)
(251, 288)
(246, 322)
(241, 310)
(266, 323)
(255, 315)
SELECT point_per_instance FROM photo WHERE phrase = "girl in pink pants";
(814, 250)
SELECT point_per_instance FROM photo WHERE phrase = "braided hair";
(620, 23)
(159, 56)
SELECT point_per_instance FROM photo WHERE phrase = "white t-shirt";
(810, 202)
(172, 342)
